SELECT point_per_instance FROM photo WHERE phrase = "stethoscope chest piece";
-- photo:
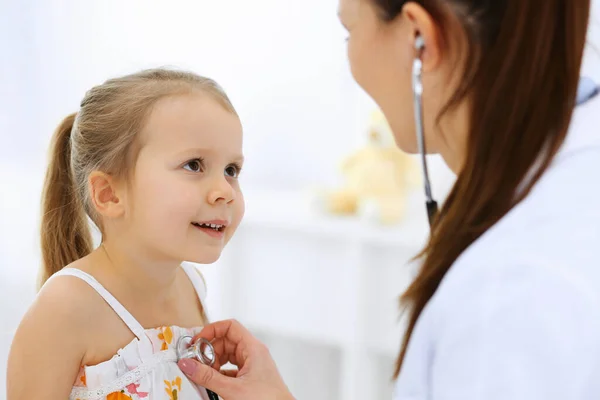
(202, 351)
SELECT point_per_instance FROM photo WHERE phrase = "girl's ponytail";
(65, 233)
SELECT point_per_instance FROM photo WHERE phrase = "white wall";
(282, 63)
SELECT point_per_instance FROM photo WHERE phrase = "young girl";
(153, 160)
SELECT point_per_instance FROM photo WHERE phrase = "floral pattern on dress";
(173, 388)
(118, 396)
(166, 335)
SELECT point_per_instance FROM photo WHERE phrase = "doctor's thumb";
(208, 377)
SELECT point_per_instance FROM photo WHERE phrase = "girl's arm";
(49, 344)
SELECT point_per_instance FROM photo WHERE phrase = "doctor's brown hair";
(103, 135)
(521, 74)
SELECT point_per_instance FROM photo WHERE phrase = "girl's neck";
(143, 275)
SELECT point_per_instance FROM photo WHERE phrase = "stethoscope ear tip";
(419, 42)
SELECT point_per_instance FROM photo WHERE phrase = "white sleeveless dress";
(146, 368)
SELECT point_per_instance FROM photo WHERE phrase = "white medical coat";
(517, 317)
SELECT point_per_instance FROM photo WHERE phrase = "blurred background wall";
(320, 290)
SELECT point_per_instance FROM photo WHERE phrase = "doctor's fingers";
(226, 351)
(232, 373)
(231, 341)
(230, 330)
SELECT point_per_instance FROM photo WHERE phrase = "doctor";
(506, 305)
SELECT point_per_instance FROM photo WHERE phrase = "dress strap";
(199, 284)
(130, 321)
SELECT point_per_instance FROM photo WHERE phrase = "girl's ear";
(105, 195)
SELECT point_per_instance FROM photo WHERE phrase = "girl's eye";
(194, 165)
(233, 170)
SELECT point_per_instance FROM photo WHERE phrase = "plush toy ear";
(349, 162)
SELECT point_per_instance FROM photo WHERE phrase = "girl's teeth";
(213, 226)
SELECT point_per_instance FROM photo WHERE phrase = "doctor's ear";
(424, 35)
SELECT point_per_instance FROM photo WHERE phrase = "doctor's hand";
(257, 376)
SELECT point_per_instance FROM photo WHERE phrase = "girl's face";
(185, 200)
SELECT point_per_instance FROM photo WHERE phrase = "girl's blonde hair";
(101, 136)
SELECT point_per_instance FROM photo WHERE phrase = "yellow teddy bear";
(376, 178)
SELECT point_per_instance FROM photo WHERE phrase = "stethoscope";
(202, 350)
(587, 90)
(417, 84)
